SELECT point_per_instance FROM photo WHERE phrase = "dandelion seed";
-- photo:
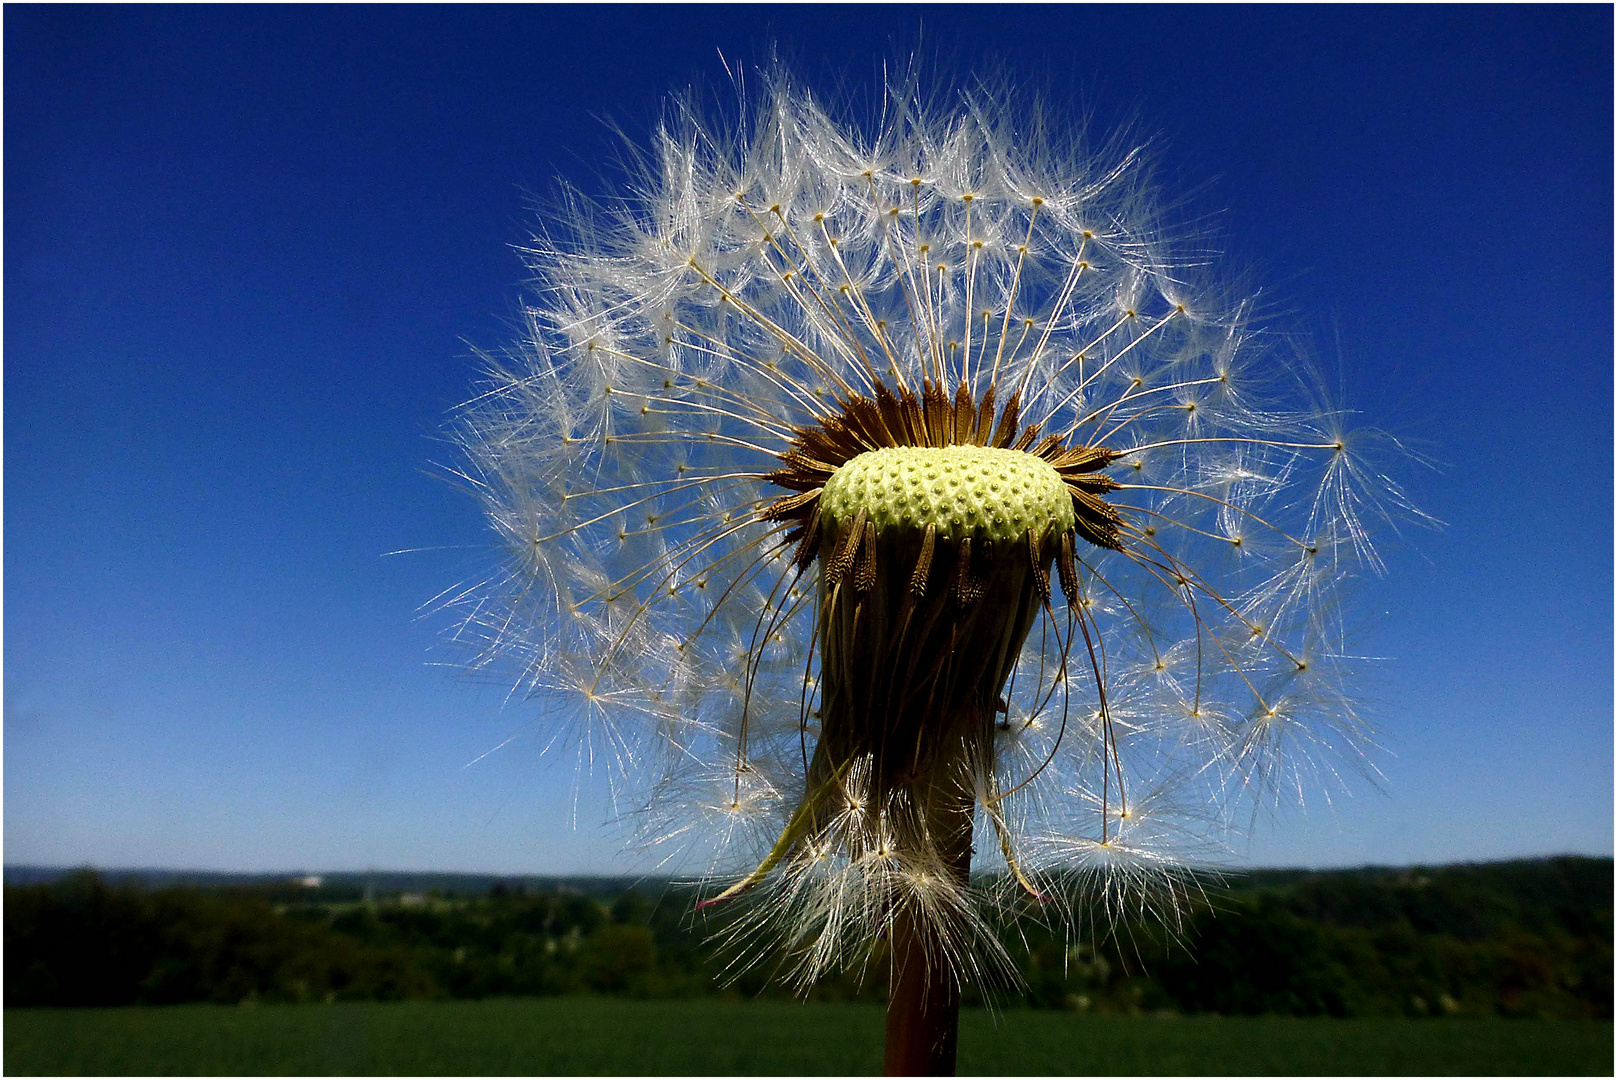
(933, 451)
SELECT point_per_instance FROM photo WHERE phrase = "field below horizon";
(602, 1036)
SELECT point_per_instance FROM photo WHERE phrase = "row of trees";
(1531, 938)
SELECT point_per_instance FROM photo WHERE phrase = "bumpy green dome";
(983, 492)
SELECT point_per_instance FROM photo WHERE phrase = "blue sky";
(249, 251)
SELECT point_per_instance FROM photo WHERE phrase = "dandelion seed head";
(888, 500)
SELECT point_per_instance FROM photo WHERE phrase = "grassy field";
(596, 1036)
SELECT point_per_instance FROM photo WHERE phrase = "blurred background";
(251, 251)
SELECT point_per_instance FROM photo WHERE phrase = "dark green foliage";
(1263, 959)
(80, 942)
(1512, 939)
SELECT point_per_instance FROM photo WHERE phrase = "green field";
(609, 1036)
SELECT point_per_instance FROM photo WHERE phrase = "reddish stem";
(923, 1008)
(923, 996)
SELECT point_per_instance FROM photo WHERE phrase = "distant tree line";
(1531, 938)
(1526, 938)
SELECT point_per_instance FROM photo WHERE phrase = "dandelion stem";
(923, 1008)
(923, 994)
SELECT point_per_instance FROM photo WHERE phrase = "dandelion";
(895, 501)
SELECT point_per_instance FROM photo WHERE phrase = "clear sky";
(249, 251)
